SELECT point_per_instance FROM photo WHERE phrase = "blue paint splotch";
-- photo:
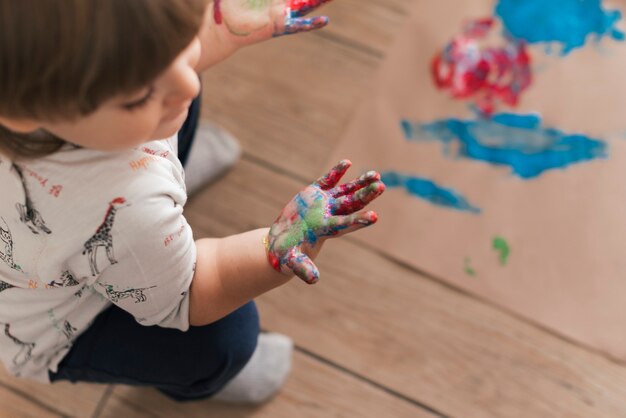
(518, 141)
(428, 190)
(570, 23)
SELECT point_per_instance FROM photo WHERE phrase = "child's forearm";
(230, 272)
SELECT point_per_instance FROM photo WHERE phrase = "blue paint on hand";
(517, 141)
(428, 190)
(568, 22)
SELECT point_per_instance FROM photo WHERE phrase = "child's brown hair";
(60, 59)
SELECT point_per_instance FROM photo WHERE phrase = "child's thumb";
(302, 266)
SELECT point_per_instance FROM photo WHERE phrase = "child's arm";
(233, 270)
(232, 24)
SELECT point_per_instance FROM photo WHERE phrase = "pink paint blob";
(475, 66)
(217, 12)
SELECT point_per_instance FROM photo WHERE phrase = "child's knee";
(225, 347)
(233, 339)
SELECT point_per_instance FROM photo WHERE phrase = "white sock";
(213, 152)
(265, 373)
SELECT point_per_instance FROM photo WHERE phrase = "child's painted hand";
(251, 21)
(232, 24)
(321, 210)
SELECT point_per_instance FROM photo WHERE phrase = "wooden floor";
(374, 338)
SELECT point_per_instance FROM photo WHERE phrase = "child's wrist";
(273, 261)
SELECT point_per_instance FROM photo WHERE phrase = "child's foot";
(264, 374)
(213, 152)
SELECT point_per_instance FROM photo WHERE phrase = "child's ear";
(22, 126)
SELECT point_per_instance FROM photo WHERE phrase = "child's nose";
(191, 86)
(185, 87)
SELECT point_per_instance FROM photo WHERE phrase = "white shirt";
(81, 229)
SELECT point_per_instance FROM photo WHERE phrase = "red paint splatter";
(469, 69)
(217, 12)
(302, 7)
(274, 262)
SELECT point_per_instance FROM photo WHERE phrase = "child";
(101, 279)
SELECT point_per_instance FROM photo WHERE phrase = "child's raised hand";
(232, 24)
(251, 21)
(320, 211)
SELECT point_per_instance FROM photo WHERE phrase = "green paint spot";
(314, 217)
(468, 268)
(257, 4)
(503, 249)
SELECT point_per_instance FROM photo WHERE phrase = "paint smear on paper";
(428, 190)
(469, 270)
(517, 141)
(476, 66)
(500, 245)
(570, 23)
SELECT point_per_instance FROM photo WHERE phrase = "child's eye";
(140, 102)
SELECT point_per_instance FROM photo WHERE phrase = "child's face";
(156, 112)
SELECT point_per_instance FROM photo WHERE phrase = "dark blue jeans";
(187, 132)
(183, 365)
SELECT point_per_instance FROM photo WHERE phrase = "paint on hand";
(295, 22)
(517, 141)
(321, 210)
(299, 8)
(500, 245)
(217, 12)
(302, 24)
(468, 268)
(473, 66)
(242, 18)
(570, 23)
(429, 191)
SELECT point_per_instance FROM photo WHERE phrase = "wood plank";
(280, 99)
(313, 390)
(68, 399)
(372, 24)
(16, 406)
(416, 336)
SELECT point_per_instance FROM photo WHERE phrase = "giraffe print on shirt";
(28, 214)
(26, 349)
(103, 237)
(115, 295)
(69, 330)
(65, 280)
(4, 286)
(6, 253)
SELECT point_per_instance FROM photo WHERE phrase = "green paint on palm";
(257, 4)
(315, 214)
(293, 237)
(314, 220)
(242, 17)
(502, 247)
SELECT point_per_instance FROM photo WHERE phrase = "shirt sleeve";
(152, 260)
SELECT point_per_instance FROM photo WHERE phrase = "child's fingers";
(330, 180)
(299, 8)
(357, 201)
(303, 266)
(303, 25)
(350, 223)
(365, 179)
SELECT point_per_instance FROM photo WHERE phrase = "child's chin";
(169, 127)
